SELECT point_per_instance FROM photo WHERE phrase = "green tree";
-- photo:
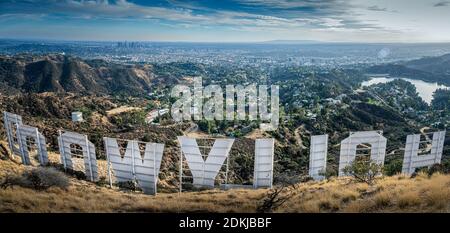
(363, 169)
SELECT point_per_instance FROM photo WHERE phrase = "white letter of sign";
(264, 154)
(349, 147)
(318, 156)
(24, 132)
(67, 139)
(11, 121)
(131, 165)
(204, 172)
(413, 160)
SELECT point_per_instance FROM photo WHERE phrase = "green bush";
(363, 169)
(328, 173)
(40, 178)
(77, 174)
(128, 185)
(4, 152)
(129, 119)
(393, 168)
(435, 168)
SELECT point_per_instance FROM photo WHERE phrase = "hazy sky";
(228, 20)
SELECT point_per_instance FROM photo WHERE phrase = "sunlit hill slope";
(389, 194)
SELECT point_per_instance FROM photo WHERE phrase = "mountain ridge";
(62, 73)
(431, 69)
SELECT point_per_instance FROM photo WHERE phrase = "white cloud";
(329, 22)
(382, 20)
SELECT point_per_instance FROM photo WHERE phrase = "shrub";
(287, 178)
(328, 173)
(70, 172)
(129, 119)
(393, 168)
(146, 138)
(128, 185)
(304, 179)
(383, 199)
(435, 168)
(408, 199)
(446, 165)
(77, 174)
(11, 180)
(280, 193)
(40, 178)
(4, 152)
(363, 169)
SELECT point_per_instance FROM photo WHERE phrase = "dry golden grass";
(84, 196)
(389, 194)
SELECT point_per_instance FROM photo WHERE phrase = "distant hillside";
(436, 65)
(432, 69)
(59, 73)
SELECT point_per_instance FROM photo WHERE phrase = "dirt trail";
(298, 137)
(422, 131)
(121, 109)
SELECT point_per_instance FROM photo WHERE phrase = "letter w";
(131, 165)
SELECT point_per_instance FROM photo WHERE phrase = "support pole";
(226, 173)
(89, 157)
(21, 146)
(155, 173)
(38, 147)
(105, 140)
(61, 150)
(9, 132)
(181, 170)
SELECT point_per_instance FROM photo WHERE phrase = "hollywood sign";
(143, 166)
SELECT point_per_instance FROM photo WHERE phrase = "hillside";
(431, 69)
(313, 104)
(435, 65)
(60, 73)
(390, 194)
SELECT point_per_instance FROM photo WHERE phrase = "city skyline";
(373, 21)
